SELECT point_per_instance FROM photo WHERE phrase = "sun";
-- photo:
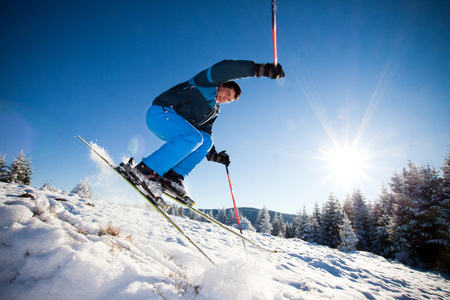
(346, 165)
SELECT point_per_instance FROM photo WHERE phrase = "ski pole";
(274, 32)
(235, 208)
(234, 202)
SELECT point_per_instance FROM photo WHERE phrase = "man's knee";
(194, 139)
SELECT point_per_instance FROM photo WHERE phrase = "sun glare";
(346, 165)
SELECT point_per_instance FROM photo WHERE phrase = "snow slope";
(54, 247)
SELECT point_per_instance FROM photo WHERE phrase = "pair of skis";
(140, 188)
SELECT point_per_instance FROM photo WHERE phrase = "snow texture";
(59, 246)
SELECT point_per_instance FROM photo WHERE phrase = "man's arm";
(224, 71)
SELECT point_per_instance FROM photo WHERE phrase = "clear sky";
(367, 89)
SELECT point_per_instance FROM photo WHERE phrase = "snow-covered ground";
(55, 247)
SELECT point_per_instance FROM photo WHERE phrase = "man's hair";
(234, 86)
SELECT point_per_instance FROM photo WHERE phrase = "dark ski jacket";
(194, 99)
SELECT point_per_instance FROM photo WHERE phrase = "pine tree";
(222, 216)
(348, 236)
(348, 208)
(278, 226)
(316, 224)
(210, 214)
(331, 220)
(20, 171)
(263, 224)
(193, 216)
(83, 189)
(314, 235)
(360, 220)
(303, 230)
(4, 170)
(382, 212)
(231, 217)
(416, 193)
(442, 222)
(399, 229)
(296, 224)
(281, 226)
(275, 228)
(290, 233)
(371, 227)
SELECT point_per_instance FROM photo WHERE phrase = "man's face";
(225, 95)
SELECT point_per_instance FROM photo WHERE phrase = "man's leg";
(184, 167)
(182, 139)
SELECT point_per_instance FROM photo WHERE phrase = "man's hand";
(221, 157)
(269, 70)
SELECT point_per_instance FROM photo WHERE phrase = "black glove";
(269, 70)
(221, 157)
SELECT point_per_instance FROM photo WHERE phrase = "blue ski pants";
(185, 146)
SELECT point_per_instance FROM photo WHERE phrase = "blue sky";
(366, 90)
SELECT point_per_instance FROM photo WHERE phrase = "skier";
(183, 116)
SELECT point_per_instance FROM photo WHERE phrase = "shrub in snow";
(83, 189)
(47, 186)
(245, 224)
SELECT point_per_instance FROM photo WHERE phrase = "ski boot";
(172, 184)
(149, 180)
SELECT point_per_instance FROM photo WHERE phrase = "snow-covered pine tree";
(290, 233)
(177, 210)
(281, 226)
(348, 208)
(263, 224)
(348, 236)
(83, 189)
(360, 221)
(4, 169)
(20, 171)
(442, 234)
(193, 216)
(275, 228)
(245, 224)
(371, 227)
(231, 217)
(222, 216)
(171, 209)
(296, 224)
(381, 214)
(331, 220)
(210, 214)
(314, 235)
(303, 229)
(399, 229)
(317, 223)
(416, 193)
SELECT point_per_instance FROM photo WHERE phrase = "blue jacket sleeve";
(224, 71)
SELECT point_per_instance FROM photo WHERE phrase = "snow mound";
(59, 246)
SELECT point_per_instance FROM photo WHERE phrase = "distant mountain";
(251, 214)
